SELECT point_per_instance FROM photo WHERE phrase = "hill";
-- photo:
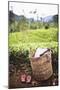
(13, 16)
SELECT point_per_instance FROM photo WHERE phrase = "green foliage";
(34, 39)
(23, 44)
(40, 25)
(18, 57)
(23, 24)
(33, 36)
(33, 25)
(13, 26)
(20, 25)
(36, 25)
(46, 26)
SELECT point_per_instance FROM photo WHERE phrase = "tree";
(23, 24)
(11, 17)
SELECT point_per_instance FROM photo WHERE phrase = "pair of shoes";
(25, 78)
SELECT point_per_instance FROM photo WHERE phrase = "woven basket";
(42, 66)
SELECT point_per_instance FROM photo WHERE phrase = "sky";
(27, 9)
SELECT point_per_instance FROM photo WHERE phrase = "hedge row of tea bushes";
(34, 36)
(21, 55)
(18, 57)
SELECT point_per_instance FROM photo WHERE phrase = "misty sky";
(27, 9)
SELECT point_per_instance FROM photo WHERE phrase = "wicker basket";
(42, 66)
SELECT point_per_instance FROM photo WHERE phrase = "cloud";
(25, 8)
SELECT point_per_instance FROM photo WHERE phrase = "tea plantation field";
(34, 39)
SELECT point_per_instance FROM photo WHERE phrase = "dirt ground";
(25, 68)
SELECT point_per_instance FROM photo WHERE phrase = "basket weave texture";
(42, 66)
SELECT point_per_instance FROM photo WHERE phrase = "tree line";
(23, 23)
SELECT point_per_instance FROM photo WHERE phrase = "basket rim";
(32, 57)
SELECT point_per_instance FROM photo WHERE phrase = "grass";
(34, 38)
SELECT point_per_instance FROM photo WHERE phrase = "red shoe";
(23, 78)
(28, 79)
